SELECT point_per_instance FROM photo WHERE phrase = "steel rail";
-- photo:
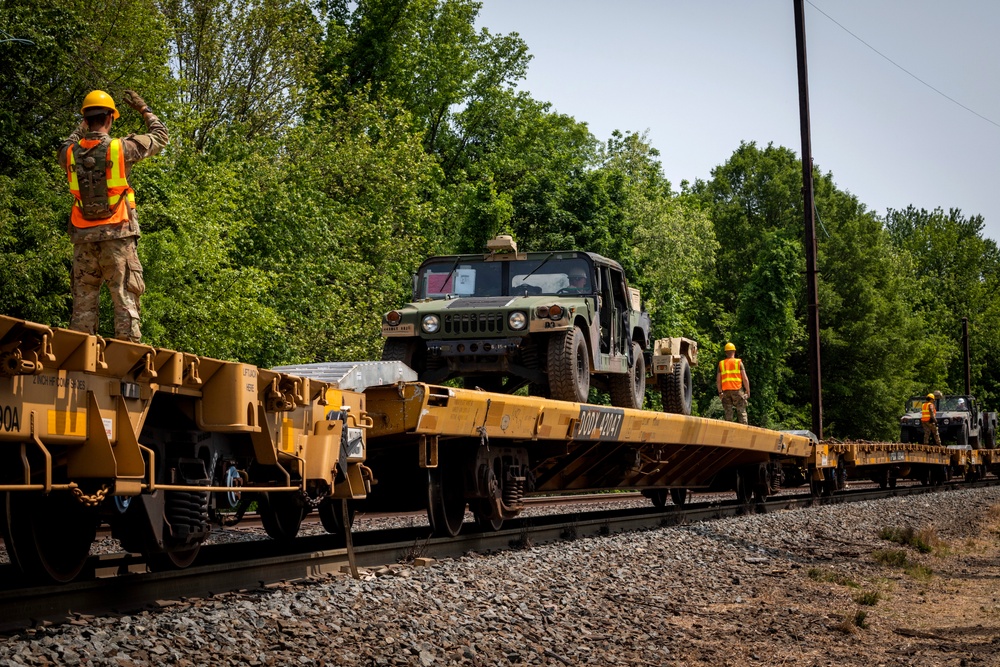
(119, 582)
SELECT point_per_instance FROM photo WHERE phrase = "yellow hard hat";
(930, 396)
(98, 98)
(730, 347)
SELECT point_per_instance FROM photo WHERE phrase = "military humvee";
(555, 321)
(959, 419)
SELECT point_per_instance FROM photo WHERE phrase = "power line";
(893, 62)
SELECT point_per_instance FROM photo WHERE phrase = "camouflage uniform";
(735, 398)
(107, 253)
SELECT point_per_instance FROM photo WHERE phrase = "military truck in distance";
(555, 321)
(960, 419)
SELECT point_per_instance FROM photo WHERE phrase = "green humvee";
(555, 321)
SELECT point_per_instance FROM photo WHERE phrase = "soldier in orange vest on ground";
(733, 384)
(928, 419)
(103, 225)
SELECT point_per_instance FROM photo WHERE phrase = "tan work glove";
(133, 99)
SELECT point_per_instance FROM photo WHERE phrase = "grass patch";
(890, 557)
(829, 576)
(897, 558)
(853, 622)
(925, 540)
(918, 571)
(868, 598)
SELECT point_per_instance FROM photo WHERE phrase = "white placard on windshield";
(465, 282)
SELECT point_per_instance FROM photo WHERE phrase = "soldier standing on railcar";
(103, 224)
(928, 419)
(733, 384)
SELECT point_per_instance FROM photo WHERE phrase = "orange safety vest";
(732, 378)
(118, 187)
(927, 412)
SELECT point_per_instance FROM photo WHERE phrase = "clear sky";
(702, 75)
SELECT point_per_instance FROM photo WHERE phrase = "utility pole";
(810, 223)
(968, 360)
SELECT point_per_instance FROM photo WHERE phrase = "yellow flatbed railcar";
(884, 463)
(490, 450)
(159, 444)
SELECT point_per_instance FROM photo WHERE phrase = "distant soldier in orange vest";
(733, 384)
(103, 224)
(928, 419)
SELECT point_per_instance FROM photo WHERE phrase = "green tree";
(428, 55)
(242, 66)
(343, 221)
(954, 273)
(766, 324)
(873, 344)
(870, 343)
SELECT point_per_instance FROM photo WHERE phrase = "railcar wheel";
(48, 537)
(679, 496)
(281, 514)
(628, 390)
(568, 367)
(658, 496)
(744, 488)
(165, 561)
(445, 500)
(331, 514)
(675, 389)
(482, 509)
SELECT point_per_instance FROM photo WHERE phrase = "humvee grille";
(473, 323)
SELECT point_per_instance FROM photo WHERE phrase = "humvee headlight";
(430, 324)
(393, 318)
(517, 320)
(555, 312)
(542, 312)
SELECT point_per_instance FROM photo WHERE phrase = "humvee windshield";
(946, 404)
(555, 274)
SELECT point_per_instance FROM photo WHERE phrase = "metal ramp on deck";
(353, 375)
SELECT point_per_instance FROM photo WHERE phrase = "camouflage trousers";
(113, 262)
(735, 398)
(931, 429)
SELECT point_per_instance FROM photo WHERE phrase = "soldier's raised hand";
(133, 99)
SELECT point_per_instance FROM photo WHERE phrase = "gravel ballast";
(769, 589)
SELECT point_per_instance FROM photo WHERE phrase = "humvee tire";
(568, 367)
(628, 390)
(411, 351)
(675, 389)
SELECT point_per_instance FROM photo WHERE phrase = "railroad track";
(120, 583)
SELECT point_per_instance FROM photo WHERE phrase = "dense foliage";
(320, 150)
